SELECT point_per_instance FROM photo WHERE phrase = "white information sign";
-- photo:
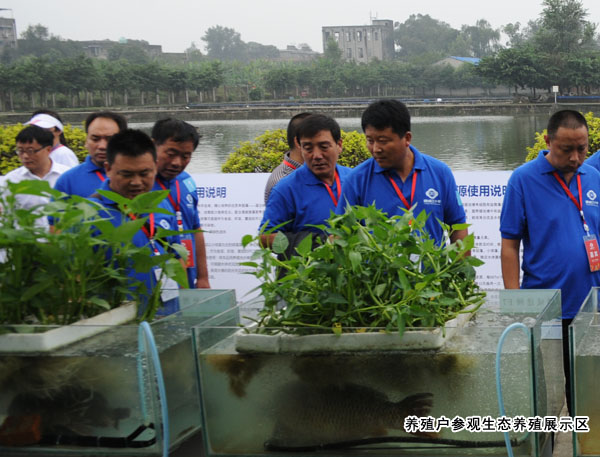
(232, 205)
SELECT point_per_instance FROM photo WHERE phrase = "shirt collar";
(311, 179)
(54, 169)
(546, 167)
(104, 200)
(165, 181)
(287, 158)
(419, 164)
(92, 166)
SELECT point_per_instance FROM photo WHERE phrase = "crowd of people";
(551, 207)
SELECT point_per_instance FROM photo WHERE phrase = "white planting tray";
(412, 339)
(67, 334)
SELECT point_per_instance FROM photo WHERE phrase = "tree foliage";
(266, 152)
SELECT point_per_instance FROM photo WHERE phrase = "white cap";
(45, 121)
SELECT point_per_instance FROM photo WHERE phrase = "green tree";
(130, 52)
(278, 80)
(564, 27)
(332, 52)
(483, 39)
(224, 43)
(423, 35)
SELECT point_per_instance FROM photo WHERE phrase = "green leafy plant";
(371, 272)
(81, 268)
(266, 152)
(594, 138)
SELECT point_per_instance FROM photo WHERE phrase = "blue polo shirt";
(188, 205)
(141, 239)
(594, 160)
(537, 211)
(81, 180)
(435, 191)
(302, 199)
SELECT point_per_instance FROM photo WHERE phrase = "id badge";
(169, 289)
(187, 243)
(593, 252)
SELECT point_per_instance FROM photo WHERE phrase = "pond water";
(464, 142)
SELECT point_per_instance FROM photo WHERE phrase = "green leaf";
(32, 291)
(100, 302)
(280, 243)
(355, 260)
(305, 246)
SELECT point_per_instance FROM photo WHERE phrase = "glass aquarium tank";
(356, 400)
(584, 344)
(101, 395)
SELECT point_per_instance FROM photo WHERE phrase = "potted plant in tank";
(372, 275)
(77, 271)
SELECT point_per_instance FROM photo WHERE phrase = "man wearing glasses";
(33, 148)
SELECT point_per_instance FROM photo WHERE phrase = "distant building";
(8, 33)
(456, 62)
(363, 43)
(300, 53)
(99, 48)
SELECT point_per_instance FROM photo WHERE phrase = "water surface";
(465, 143)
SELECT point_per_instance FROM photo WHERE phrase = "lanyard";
(148, 231)
(578, 204)
(399, 192)
(291, 165)
(100, 175)
(339, 188)
(176, 205)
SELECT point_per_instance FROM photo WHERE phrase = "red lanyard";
(176, 205)
(399, 192)
(148, 232)
(100, 175)
(339, 188)
(292, 166)
(578, 204)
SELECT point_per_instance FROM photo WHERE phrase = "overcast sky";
(175, 24)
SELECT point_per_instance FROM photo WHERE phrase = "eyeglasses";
(29, 152)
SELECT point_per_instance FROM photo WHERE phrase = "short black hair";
(130, 143)
(293, 125)
(387, 113)
(313, 124)
(33, 133)
(566, 118)
(119, 119)
(175, 130)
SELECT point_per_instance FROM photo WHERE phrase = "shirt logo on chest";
(432, 194)
(190, 200)
(165, 224)
(591, 201)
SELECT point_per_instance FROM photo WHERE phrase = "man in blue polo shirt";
(594, 160)
(308, 195)
(552, 205)
(86, 178)
(131, 170)
(175, 142)
(399, 177)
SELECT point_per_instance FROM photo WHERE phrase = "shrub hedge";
(266, 152)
